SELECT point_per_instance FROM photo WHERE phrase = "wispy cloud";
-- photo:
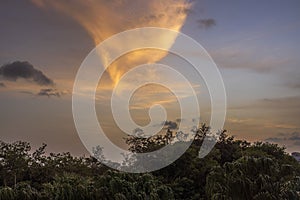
(51, 92)
(118, 16)
(286, 138)
(263, 118)
(48, 92)
(281, 103)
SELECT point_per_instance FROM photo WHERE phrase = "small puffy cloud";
(50, 92)
(18, 69)
(170, 125)
(2, 85)
(207, 23)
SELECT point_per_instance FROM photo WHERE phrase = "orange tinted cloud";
(102, 19)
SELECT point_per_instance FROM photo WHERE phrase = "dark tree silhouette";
(234, 169)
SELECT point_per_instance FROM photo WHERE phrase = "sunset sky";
(255, 44)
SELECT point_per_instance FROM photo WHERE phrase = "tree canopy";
(234, 169)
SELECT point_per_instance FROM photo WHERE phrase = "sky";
(255, 45)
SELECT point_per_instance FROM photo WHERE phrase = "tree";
(14, 160)
(234, 169)
(252, 178)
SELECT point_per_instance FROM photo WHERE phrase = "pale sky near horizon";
(255, 44)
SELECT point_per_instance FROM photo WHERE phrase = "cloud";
(289, 103)
(18, 69)
(124, 15)
(293, 137)
(287, 108)
(266, 117)
(238, 121)
(170, 125)
(207, 23)
(50, 92)
(2, 85)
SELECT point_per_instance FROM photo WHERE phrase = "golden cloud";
(102, 19)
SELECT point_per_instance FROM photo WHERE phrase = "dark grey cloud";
(50, 92)
(2, 85)
(207, 23)
(170, 125)
(18, 69)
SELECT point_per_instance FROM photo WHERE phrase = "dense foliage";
(234, 169)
